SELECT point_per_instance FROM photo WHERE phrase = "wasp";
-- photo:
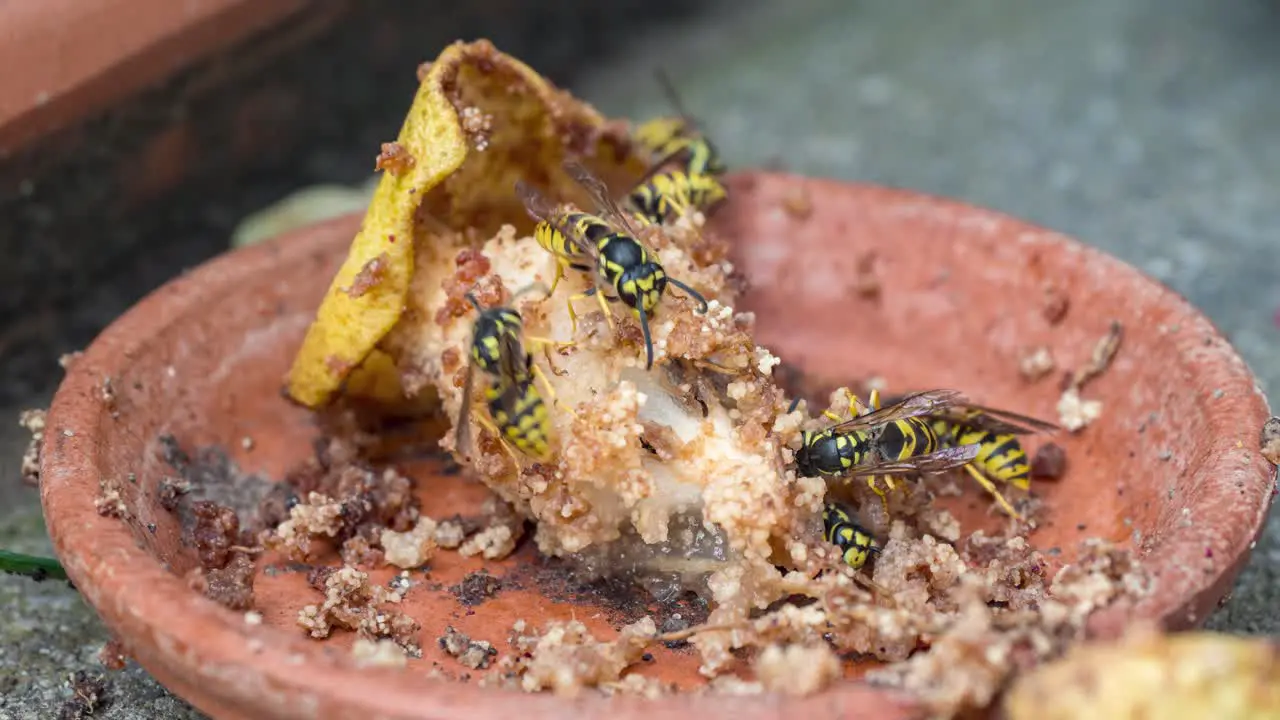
(1000, 455)
(519, 415)
(658, 195)
(605, 246)
(670, 138)
(880, 442)
(856, 543)
(674, 193)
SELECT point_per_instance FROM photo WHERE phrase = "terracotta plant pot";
(1172, 462)
(78, 58)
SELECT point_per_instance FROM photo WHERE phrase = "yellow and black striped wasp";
(882, 442)
(660, 194)
(669, 139)
(856, 543)
(607, 248)
(518, 414)
(1000, 455)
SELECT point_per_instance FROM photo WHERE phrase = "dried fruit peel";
(479, 121)
(1190, 675)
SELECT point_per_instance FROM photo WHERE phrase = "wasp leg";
(492, 428)
(991, 489)
(559, 276)
(573, 315)
(872, 482)
(714, 367)
(545, 382)
(604, 307)
(874, 399)
(856, 407)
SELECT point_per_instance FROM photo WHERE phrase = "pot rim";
(156, 604)
(72, 69)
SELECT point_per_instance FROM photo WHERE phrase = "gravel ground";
(1147, 128)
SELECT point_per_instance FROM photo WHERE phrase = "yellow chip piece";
(480, 121)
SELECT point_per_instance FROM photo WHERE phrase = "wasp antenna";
(794, 404)
(697, 296)
(471, 297)
(669, 90)
(648, 342)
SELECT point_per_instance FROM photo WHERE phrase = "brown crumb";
(797, 669)
(109, 503)
(1049, 463)
(370, 276)
(471, 274)
(1055, 304)
(478, 125)
(108, 394)
(1035, 364)
(113, 656)
(450, 534)
(499, 538)
(232, 585)
(352, 603)
(423, 70)
(1074, 411)
(797, 203)
(170, 492)
(475, 654)
(394, 158)
(1100, 359)
(88, 696)
(1270, 440)
(476, 588)
(216, 530)
(566, 657)
(33, 421)
(866, 281)
(410, 549)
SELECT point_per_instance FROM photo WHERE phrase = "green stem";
(36, 568)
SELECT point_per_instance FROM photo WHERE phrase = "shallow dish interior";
(961, 300)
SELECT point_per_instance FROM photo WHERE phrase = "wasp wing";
(462, 431)
(926, 402)
(1001, 422)
(599, 193)
(541, 208)
(931, 464)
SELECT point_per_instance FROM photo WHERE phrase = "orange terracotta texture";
(1171, 465)
(67, 59)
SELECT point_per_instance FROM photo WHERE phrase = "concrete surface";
(1150, 128)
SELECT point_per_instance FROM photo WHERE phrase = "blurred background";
(1148, 128)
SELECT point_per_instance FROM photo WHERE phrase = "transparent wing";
(931, 464)
(995, 420)
(599, 193)
(541, 208)
(462, 431)
(926, 402)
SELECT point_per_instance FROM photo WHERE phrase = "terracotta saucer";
(1171, 465)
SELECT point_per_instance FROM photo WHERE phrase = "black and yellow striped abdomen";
(907, 438)
(673, 193)
(1000, 455)
(497, 333)
(855, 542)
(668, 137)
(520, 414)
